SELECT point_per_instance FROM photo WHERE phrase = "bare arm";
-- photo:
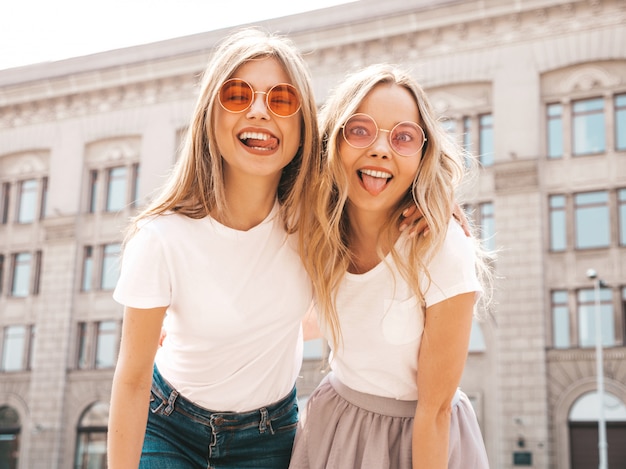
(310, 326)
(441, 361)
(130, 395)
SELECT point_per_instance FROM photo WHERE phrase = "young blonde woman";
(215, 251)
(397, 310)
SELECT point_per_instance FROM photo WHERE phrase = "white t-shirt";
(382, 323)
(235, 304)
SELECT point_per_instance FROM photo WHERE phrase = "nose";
(258, 108)
(380, 147)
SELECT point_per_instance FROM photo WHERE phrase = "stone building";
(535, 88)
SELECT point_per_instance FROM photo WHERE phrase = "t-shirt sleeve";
(144, 280)
(453, 269)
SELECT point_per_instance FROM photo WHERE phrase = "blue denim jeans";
(180, 434)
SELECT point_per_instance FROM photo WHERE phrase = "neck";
(248, 202)
(365, 230)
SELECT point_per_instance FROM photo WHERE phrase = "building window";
(82, 359)
(87, 274)
(27, 199)
(586, 317)
(487, 226)
(20, 279)
(16, 345)
(558, 233)
(116, 189)
(555, 131)
(106, 341)
(620, 122)
(624, 313)
(120, 191)
(485, 153)
(467, 133)
(10, 428)
(100, 268)
(621, 207)
(449, 125)
(37, 273)
(1, 273)
(110, 266)
(26, 268)
(592, 220)
(560, 320)
(4, 202)
(91, 437)
(588, 126)
(30, 196)
(93, 191)
(43, 203)
(96, 345)
(134, 185)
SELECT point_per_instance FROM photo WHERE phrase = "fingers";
(410, 211)
(419, 228)
(411, 215)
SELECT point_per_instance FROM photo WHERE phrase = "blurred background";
(91, 118)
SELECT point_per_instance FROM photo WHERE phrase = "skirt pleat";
(343, 429)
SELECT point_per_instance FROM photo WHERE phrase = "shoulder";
(457, 247)
(157, 229)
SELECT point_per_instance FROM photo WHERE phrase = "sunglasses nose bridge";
(387, 138)
(253, 101)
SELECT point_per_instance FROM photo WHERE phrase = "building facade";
(535, 88)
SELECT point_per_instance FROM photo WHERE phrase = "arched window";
(583, 429)
(9, 437)
(91, 437)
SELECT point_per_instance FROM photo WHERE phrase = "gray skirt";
(345, 429)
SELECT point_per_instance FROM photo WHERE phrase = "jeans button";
(219, 421)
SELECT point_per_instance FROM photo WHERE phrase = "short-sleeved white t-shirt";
(235, 303)
(382, 323)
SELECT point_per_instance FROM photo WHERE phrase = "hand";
(413, 216)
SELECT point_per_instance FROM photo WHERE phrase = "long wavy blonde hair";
(195, 187)
(325, 240)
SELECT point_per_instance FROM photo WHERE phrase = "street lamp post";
(602, 444)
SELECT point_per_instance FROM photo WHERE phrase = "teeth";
(376, 174)
(253, 135)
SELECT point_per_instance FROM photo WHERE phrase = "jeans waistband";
(174, 399)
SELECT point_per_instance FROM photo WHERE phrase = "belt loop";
(170, 403)
(263, 423)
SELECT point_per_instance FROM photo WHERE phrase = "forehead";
(388, 102)
(262, 73)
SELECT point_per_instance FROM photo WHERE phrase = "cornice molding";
(71, 105)
(452, 41)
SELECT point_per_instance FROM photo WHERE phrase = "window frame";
(26, 346)
(486, 158)
(586, 206)
(585, 114)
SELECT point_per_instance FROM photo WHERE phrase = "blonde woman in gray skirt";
(396, 308)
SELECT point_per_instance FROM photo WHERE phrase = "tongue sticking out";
(257, 143)
(373, 185)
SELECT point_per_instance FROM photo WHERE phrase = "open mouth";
(258, 140)
(373, 181)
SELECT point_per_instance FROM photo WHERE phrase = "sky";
(36, 31)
